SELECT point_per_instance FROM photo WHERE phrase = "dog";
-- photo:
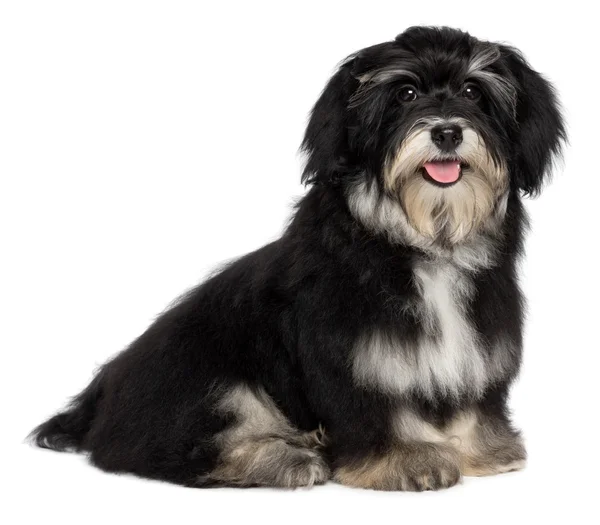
(375, 342)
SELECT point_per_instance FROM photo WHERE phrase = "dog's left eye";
(407, 93)
(471, 92)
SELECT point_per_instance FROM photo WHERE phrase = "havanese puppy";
(375, 342)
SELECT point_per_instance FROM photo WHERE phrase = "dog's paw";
(271, 462)
(309, 470)
(500, 454)
(430, 477)
(487, 468)
(407, 468)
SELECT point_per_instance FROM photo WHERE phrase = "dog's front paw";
(489, 467)
(430, 477)
(414, 467)
(490, 450)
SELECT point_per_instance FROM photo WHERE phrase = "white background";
(142, 143)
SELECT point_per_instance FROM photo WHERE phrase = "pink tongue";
(444, 172)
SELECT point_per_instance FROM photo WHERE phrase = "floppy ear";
(326, 138)
(541, 131)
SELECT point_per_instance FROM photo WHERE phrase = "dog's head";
(439, 123)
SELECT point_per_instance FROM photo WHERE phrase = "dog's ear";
(326, 139)
(541, 130)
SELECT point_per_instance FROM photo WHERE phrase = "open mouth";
(443, 172)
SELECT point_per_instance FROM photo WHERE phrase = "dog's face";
(444, 125)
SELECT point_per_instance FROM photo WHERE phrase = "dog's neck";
(382, 215)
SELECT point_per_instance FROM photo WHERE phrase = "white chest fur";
(446, 358)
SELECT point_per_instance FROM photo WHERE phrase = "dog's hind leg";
(261, 448)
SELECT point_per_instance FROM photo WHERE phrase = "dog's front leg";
(486, 440)
(476, 441)
(418, 456)
(373, 440)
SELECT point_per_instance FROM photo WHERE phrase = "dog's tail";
(66, 430)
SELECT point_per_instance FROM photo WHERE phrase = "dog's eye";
(407, 93)
(471, 92)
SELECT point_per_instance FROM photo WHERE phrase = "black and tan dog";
(375, 342)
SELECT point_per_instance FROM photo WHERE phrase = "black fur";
(287, 316)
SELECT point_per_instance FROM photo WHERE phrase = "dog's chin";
(447, 210)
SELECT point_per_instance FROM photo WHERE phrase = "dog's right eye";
(407, 93)
(471, 92)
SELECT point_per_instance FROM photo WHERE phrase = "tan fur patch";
(452, 212)
(484, 446)
(490, 469)
(409, 467)
(261, 447)
(271, 462)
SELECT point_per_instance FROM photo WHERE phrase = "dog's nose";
(447, 137)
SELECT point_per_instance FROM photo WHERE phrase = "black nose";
(447, 137)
